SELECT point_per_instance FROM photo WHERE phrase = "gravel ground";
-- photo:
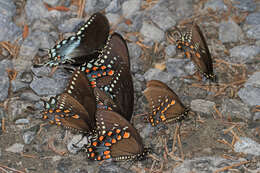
(224, 136)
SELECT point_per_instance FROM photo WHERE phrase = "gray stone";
(202, 106)
(4, 85)
(52, 2)
(216, 5)
(114, 6)
(253, 19)
(28, 95)
(244, 53)
(9, 31)
(205, 164)
(256, 116)
(35, 9)
(134, 50)
(4, 79)
(52, 85)
(245, 5)
(247, 146)
(229, 31)
(113, 18)
(254, 32)
(170, 51)
(22, 121)
(70, 24)
(130, 7)
(254, 80)
(48, 86)
(151, 32)
(94, 6)
(7, 8)
(164, 18)
(28, 136)
(176, 67)
(235, 109)
(250, 95)
(76, 143)
(110, 167)
(17, 85)
(156, 74)
(15, 148)
(64, 165)
(137, 21)
(16, 108)
(184, 8)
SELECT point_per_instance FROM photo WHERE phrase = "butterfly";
(75, 108)
(117, 139)
(195, 47)
(84, 45)
(164, 103)
(110, 72)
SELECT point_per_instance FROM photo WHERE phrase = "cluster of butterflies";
(99, 98)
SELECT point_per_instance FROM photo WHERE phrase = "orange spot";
(66, 111)
(93, 76)
(51, 122)
(103, 67)
(104, 73)
(58, 57)
(111, 72)
(179, 46)
(158, 108)
(101, 138)
(94, 143)
(162, 117)
(94, 68)
(198, 55)
(107, 144)
(106, 152)
(92, 155)
(93, 86)
(56, 119)
(107, 156)
(99, 75)
(154, 113)
(118, 130)
(50, 111)
(62, 116)
(90, 150)
(151, 119)
(157, 122)
(99, 158)
(173, 102)
(75, 116)
(109, 108)
(126, 135)
(87, 70)
(119, 137)
(187, 44)
(188, 54)
(45, 117)
(191, 46)
(109, 133)
(113, 141)
(58, 110)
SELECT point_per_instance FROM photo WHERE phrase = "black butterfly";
(75, 108)
(110, 72)
(195, 47)
(117, 139)
(164, 103)
(84, 45)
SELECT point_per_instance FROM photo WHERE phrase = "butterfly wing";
(118, 140)
(84, 45)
